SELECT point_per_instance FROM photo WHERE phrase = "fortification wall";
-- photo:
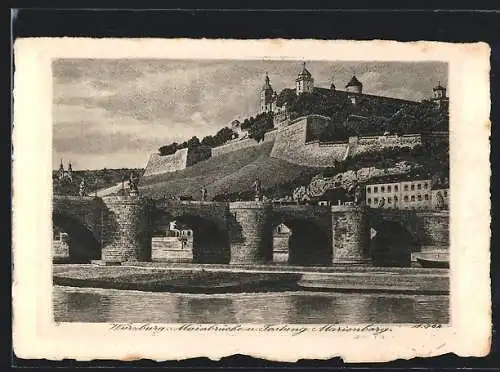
(242, 144)
(360, 145)
(158, 164)
(298, 143)
(291, 145)
(233, 146)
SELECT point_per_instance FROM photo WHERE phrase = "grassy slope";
(232, 172)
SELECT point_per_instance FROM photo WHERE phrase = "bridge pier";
(125, 236)
(251, 232)
(350, 235)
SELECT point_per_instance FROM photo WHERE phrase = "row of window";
(405, 198)
(396, 188)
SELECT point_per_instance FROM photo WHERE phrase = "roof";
(367, 105)
(304, 73)
(267, 83)
(439, 87)
(354, 82)
(396, 178)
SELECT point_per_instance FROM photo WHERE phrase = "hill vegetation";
(367, 116)
(371, 115)
(229, 177)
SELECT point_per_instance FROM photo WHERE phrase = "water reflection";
(100, 305)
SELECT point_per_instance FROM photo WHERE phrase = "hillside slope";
(225, 174)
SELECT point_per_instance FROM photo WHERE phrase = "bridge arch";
(310, 242)
(83, 244)
(210, 235)
(392, 243)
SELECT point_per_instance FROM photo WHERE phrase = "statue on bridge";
(354, 193)
(83, 188)
(132, 185)
(203, 193)
(257, 186)
(438, 202)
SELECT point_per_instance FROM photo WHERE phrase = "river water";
(109, 305)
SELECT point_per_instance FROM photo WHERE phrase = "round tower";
(350, 233)
(125, 235)
(251, 232)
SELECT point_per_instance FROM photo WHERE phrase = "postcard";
(282, 199)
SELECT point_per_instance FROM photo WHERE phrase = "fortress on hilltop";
(342, 124)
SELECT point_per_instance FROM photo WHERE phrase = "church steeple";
(267, 83)
(60, 172)
(332, 85)
(440, 97)
(304, 82)
(267, 96)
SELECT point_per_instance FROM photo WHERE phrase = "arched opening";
(210, 243)
(308, 243)
(82, 244)
(391, 245)
(203, 238)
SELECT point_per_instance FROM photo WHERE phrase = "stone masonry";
(125, 230)
(251, 234)
(121, 225)
(350, 235)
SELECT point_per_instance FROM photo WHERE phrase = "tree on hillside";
(208, 141)
(263, 124)
(223, 135)
(424, 117)
(168, 149)
(287, 96)
(193, 142)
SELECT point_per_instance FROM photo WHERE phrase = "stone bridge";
(399, 232)
(119, 229)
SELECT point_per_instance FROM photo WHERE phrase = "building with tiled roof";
(304, 82)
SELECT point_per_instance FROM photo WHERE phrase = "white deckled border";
(35, 336)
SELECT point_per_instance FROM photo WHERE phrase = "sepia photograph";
(187, 190)
(279, 193)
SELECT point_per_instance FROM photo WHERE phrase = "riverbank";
(189, 278)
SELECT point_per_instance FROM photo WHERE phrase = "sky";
(115, 113)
